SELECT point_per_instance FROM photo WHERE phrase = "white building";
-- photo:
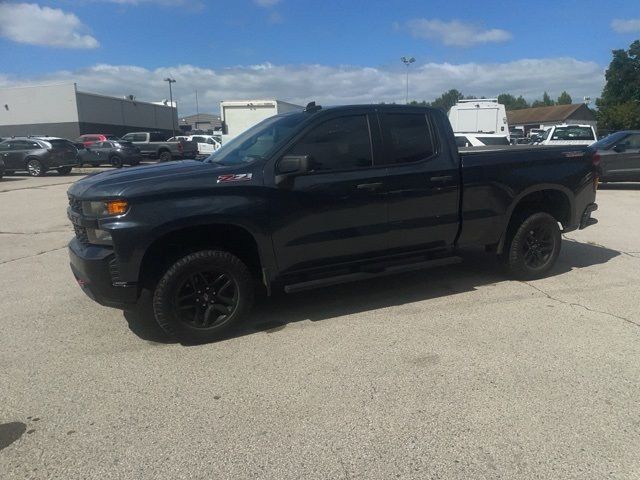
(61, 110)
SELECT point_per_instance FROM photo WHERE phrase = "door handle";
(369, 186)
(441, 178)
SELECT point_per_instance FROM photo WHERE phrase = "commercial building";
(200, 122)
(61, 110)
(542, 117)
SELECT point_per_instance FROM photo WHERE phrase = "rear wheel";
(165, 156)
(35, 167)
(202, 295)
(64, 170)
(534, 247)
(116, 161)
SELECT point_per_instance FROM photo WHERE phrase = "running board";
(363, 275)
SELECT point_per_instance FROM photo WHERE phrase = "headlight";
(105, 208)
(99, 237)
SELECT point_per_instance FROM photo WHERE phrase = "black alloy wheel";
(538, 246)
(203, 295)
(116, 161)
(534, 246)
(206, 299)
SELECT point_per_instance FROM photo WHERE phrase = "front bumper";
(94, 268)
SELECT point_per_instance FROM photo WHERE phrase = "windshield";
(609, 141)
(258, 141)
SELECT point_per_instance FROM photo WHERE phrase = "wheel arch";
(173, 242)
(556, 200)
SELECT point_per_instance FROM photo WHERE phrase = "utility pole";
(173, 116)
(407, 61)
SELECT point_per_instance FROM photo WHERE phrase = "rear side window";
(494, 140)
(632, 141)
(341, 143)
(156, 137)
(573, 133)
(4, 146)
(408, 137)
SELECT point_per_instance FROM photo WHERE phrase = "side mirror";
(619, 148)
(291, 166)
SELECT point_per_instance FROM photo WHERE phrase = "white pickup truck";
(207, 144)
(568, 135)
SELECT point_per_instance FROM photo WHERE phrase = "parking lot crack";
(575, 304)
(32, 256)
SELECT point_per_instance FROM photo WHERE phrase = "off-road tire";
(165, 156)
(178, 275)
(533, 247)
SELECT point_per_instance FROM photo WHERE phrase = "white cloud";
(454, 33)
(35, 25)
(626, 26)
(332, 85)
(266, 3)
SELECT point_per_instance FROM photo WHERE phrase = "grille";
(75, 204)
(81, 234)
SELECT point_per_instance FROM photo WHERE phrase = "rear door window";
(408, 137)
(342, 143)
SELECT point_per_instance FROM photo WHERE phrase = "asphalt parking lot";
(454, 373)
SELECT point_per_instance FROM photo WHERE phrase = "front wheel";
(35, 167)
(64, 170)
(203, 295)
(534, 247)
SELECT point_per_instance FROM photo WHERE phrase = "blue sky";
(337, 52)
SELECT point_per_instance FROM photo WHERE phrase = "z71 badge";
(234, 177)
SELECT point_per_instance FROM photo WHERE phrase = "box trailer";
(479, 116)
(238, 116)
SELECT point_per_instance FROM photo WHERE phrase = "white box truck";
(240, 115)
(484, 115)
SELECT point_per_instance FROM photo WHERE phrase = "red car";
(89, 139)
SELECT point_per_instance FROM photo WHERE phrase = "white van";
(568, 135)
(479, 116)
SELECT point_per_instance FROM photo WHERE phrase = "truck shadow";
(271, 315)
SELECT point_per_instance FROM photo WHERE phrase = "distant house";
(202, 122)
(542, 117)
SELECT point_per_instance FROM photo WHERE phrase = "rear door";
(336, 213)
(423, 182)
(18, 151)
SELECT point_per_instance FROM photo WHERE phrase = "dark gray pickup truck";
(312, 198)
(155, 145)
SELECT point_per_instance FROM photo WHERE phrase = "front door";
(623, 165)
(337, 212)
(423, 182)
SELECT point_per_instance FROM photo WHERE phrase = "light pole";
(407, 61)
(173, 117)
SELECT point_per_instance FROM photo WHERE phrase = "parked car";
(568, 135)
(314, 198)
(155, 145)
(620, 156)
(89, 139)
(37, 155)
(480, 139)
(110, 152)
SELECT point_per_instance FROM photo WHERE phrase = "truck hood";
(161, 178)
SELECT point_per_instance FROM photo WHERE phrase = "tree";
(447, 100)
(512, 103)
(619, 105)
(564, 99)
